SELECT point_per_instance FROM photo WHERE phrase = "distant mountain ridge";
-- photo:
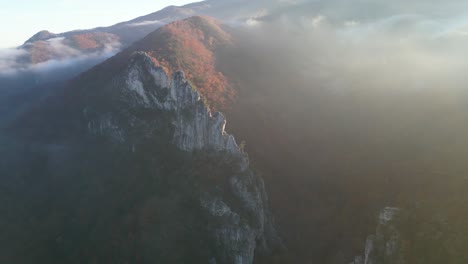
(123, 34)
(39, 49)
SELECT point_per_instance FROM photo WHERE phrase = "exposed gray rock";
(146, 86)
(357, 260)
(388, 214)
(240, 227)
(385, 246)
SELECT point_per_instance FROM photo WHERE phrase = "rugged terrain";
(127, 164)
(331, 159)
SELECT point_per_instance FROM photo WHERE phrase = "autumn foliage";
(46, 46)
(190, 45)
(91, 40)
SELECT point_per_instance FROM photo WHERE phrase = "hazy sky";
(20, 19)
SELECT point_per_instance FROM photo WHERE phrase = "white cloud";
(145, 23)
(351, 23)
(318, 21)
(14, 60)
(9, 60)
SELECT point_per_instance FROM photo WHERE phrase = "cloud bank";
(339, 81)
(63, 55)
(408, 46)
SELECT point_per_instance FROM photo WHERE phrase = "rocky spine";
(145, 86)
(385, 246)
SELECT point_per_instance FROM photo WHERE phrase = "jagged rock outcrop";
(146, 86)
(384, 247)
(192, 45)
(241, 223)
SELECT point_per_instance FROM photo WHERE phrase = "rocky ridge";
(146, 86)
(143, 86)
(385, 246)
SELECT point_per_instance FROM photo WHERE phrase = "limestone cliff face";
(384, 247)
(241, 223)
(146, 86)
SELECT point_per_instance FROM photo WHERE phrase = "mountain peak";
(147, 86)
(41, 35)
(190, 45)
